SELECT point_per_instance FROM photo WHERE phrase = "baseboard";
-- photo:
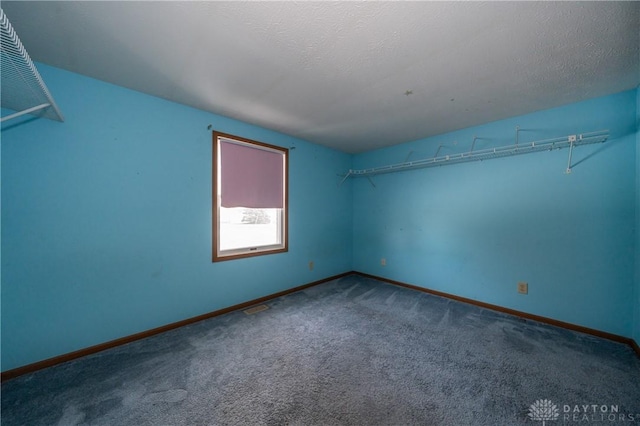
(635, 346)
(525, 315)
(29, 368)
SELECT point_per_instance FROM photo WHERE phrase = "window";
(250, 198)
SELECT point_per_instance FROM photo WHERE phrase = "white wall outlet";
(383, 261)
(523, 288)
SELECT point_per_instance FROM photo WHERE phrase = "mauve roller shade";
(250, 177)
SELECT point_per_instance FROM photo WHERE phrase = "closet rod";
(26, 111)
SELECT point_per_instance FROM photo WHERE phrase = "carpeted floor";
(353, 351)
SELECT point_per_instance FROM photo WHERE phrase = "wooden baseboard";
(525, 315)
(29, 368)
(635, 346)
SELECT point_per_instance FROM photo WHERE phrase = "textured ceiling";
(336, 73)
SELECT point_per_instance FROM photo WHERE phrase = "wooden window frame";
(223, 255)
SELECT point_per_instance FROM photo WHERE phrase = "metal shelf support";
(23, 89)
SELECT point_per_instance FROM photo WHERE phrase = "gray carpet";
(353, 351)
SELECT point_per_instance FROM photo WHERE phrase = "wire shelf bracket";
(23, 89)
(518, 148)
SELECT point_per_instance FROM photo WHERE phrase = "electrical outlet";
(311, 265)
(523, 288)
(383, 261)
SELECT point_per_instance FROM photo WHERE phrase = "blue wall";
(106, 220)
(477, 229)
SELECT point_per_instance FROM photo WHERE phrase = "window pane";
(241, 227)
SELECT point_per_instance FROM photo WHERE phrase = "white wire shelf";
(490, 153)
(23, 89)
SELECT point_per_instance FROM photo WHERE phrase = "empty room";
(320, 213)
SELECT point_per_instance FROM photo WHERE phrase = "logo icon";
(543, 410)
